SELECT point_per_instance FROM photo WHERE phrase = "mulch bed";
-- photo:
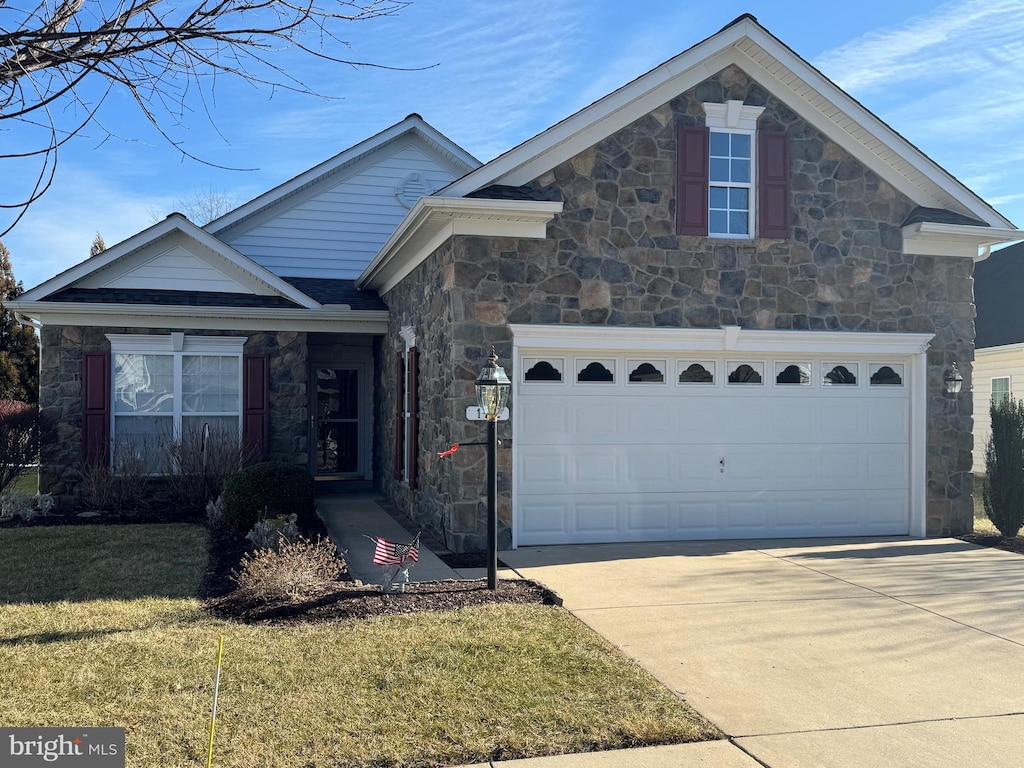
(1008, 543)
(361, 601)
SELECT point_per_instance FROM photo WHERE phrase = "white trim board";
(727, 338)
(777, 68)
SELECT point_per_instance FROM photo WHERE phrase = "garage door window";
(793, 373)
(840, 375)
(543, 370)
(746, 373)
(890, 375)
(647, 373)
(596, 371)
(696, 373)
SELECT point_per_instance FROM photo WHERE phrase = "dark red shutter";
(256, 404)
(773, 184)
(692, 181)
(414, 416)
(96, 409)
(399, 419)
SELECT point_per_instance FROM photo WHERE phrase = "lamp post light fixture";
(492, 389)
(953, 381)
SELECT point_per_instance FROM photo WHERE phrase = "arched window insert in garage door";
(544, 370)
(702, 372)
(646, 372)
(595, 371)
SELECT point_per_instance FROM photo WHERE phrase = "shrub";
(271, 489)
(294, 571)
(1004, 464)
(126, 486)
(22, 430)
(198, 468)
(270, 533)
(24, 505)
(215, 513)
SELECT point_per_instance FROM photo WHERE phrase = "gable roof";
(412, 124)
(805, 90)
(998, 282)
(260, 281)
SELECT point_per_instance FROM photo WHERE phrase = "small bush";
(271, 533)
(215, 512)
(1004, 465)
(24, 505)
(128, 485)
(198, 468)
(294, 571)
(272, 489)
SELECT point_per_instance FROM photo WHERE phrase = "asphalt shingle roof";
(332, 291)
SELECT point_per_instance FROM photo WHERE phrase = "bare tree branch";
(159, 51)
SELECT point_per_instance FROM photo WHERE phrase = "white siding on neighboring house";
(993, 363)
(335, 228)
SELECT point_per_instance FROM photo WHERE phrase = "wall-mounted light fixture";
(953, 381)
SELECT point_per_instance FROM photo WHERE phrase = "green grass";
(102, 626)
(27, 483)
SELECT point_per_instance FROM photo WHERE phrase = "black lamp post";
(492, 388)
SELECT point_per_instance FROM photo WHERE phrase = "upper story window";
(1000, 390)
(732, 180)
(731, 191)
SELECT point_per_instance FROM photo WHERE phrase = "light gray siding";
(335, 228)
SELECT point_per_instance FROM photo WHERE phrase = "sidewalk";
(351, 517)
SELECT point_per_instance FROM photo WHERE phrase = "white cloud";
(956, 40)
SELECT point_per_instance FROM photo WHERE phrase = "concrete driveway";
(818, 653)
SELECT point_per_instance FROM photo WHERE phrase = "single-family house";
(727, 294)
(999, 343)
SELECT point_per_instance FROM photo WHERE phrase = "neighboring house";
(726, 294)
(999, 343)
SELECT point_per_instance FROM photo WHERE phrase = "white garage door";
(618, 446)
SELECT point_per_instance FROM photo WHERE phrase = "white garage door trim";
(530, 340)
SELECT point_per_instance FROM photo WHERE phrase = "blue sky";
(945, 76)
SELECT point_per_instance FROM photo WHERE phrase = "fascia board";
(613, 112)
(125, 247)
(605, 116)
(432, 220)
(341, 160)
(866, 120)
(934, 239)
(248, 268)
(724, 340)
(214, 318)
(980, 353)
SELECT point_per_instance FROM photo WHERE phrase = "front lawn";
(103, 625)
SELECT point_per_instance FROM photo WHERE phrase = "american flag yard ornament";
(390, 553)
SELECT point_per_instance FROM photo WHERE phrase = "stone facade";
(60, 395)
(612, 258)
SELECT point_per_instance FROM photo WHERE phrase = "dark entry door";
(336, 430)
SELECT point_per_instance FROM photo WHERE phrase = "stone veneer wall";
(612, 258)
(60, 395)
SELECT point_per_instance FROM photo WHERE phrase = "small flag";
(449, 452)
(390, 553)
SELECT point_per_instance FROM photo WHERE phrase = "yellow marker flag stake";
(216, 690)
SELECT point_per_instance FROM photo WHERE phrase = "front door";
(336, 442)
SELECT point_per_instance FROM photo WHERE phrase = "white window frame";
(735, 117)
(176, 345)
(1005, 395)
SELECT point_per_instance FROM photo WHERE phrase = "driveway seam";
(897, 599)
(747, 752)
(878, 725)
